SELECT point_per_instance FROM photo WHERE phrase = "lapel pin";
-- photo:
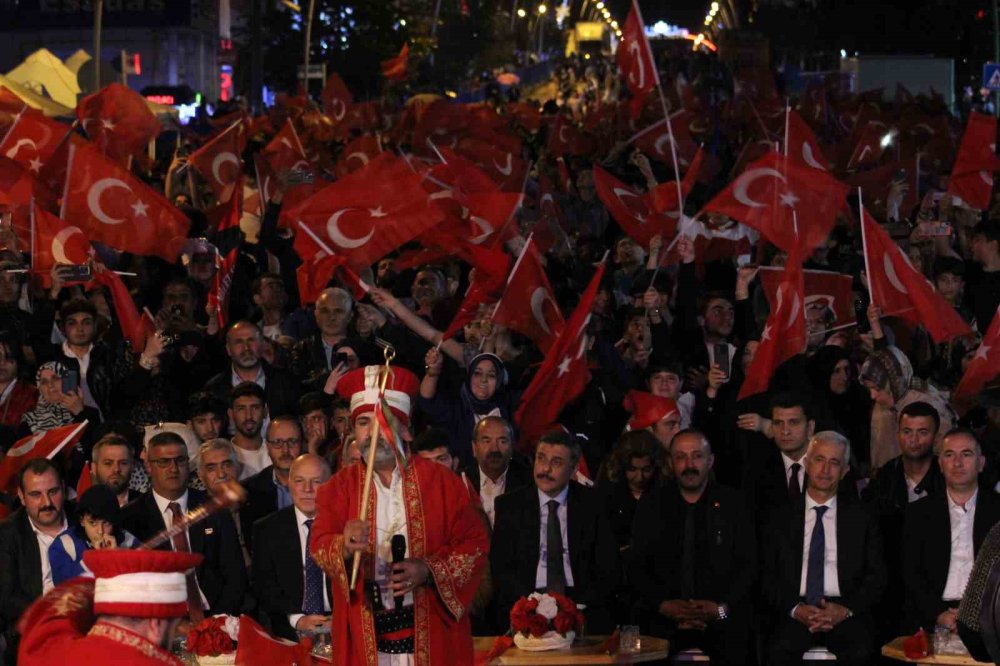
(209, 530)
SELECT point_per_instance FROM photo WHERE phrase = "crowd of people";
(842, 506)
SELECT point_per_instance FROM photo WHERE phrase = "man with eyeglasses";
(220, 582)
(267, 491)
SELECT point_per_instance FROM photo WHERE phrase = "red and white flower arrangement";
(214, 637)
(543, 616)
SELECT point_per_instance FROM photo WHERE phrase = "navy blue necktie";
(817, 557)
(312, 593)
(555, 574)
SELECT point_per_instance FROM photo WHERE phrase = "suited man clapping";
(294, 592)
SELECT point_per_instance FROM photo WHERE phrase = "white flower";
(547, 607)
(231, 626)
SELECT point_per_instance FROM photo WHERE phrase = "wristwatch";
(723, 612)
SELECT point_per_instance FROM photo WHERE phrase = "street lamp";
(542, 9)
(521, 13)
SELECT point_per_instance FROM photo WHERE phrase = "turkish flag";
(803, 147)
(114, 207)
(255, 646)
(396, 69)
(220, 161)
(482, 292)
(40, 445)
(550, 229)
(902, 291)
(460, 174)
(564, 372)
(972, 176)
(632, 210)
(876, 184)
(654, 141)
(357, 154)
(85, 481)
(314, 275)
(869, 148)
(228, 239)
(10, 106)
(503, 166)
(823, 289)
(118, 121)
(366, 214)
(19, 187)
(793, 206)
(129, 320)
(336, 97)
(784, 335)
(528, 304)
(984, 366)
(56, 242)
(32, 140)
(665, 194)
(635, 60)
(565, 138)
(284, 152)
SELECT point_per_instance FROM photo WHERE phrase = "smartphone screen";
(70, 382)
(721, 354)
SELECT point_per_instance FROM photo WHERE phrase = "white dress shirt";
(390, 519)
(489, 490)
(162, 503)
(84, 361)
(831, 580)
(541, 571)
(44, 541)
(253, 462)
(300, 521)
(788, 462)
(962, 552)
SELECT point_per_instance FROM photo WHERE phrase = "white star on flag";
(766, 335)
(377, 212)
(35, 165)
(789, 199)
(139, 208)
(107, 124)
(564, 366)
(983, 352)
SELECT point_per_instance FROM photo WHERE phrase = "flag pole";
(316, 239)
(663, 105)
(864, 248)
(788, 112)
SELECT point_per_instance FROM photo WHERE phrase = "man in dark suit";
(496, 470)
(268, 490)
(943, 533)
(693, 558)
(221, 578)
(25, 537)
(823, 568)
(281, 390)
(282, 565)
(555, 536)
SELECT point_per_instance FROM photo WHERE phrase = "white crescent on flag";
(94, 199)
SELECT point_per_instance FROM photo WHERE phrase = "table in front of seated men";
(586, 650)
(894, 650)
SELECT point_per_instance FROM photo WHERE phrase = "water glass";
(630, 640)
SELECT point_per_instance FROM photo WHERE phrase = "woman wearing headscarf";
(483, 393)
(832, 374)
(888, 376)
(98, 527)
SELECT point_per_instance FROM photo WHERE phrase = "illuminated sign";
(161, 99)
(589, 30)
(226, 83)
(664, 29)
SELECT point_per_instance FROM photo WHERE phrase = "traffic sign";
(991, 76)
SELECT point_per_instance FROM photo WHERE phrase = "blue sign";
(991, 76)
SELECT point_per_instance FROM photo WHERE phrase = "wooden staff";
(230, 495)
(366, 491)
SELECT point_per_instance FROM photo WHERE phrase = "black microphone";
(398, 555)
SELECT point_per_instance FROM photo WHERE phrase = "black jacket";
(221, 576)
(926, 548)
(281, 390)
(278, 575)
(519, 475)
(860, 561)
(728, 572)
(20, 573)
(262, 500)
(886, 493)
(515, 548)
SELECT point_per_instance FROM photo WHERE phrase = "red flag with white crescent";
(803, 146)
(528, 286)
(826, 290)
(635, 60)
(114, 207)
(45, 444)
(33, 139)
(633, 210)
(336, 97)
(984, 366)
(357, 154)
(56, 242)
(972, 176)
(902, 291)
(118, 121)
(220, 161)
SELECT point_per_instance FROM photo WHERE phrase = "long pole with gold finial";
(390, 354)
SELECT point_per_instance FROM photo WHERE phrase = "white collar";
(788, 462)
(301, 518)
(39, 533)
(969, 505)
(69, 352)
(544, 499)
(812, 504)
(162, 502)
(501, 480)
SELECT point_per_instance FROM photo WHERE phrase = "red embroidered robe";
(445, 531)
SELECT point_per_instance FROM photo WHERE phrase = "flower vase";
(550, 640)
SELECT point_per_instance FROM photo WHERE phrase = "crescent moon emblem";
(618, 192)
(987, 177)
(658, 145)
(219, 160)
(17, 146)
(301, 164)
(562, 136)
(746, 179)
(925, 127)
(890, 274)
(508, 166)
(362, 157)
(482, 224)
(810, 159)
(94, 199)
(796, 306)
(285, 142)
(338, 115)
(266, 188)
(338, 237)
(864, 151)
(59, 244)
(538, 298)
(26, 447)
(635, 52)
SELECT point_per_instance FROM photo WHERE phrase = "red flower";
(538, 626)
(204, 647)
(564, 623)
(221, 643)
(531, 605)
(564, 603)
(519, 621)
